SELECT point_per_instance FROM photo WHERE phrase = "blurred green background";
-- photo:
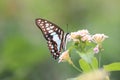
(23, 50)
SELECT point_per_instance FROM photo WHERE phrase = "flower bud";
(65, 57)
(96, 49)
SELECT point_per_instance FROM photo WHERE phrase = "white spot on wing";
(52, 50)
(43, 29)
(42, 26)
(39, 20)
(45, 32)
(51, 46)
(54, 53)
(59, 30)
(51, 27)
(53, 33)
(48, 38)
(57, 55)
(46, 35)
(48, 41)
(47, 24)
(50, 31)
(42, 22)
(56, 29)
(48, 28)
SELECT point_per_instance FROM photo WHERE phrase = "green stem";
(99, 60)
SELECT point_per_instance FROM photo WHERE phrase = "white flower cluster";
(84, 35)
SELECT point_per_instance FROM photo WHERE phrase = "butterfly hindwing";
(53, 49)
(53, 34)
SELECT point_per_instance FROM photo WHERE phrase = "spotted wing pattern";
(54, 35)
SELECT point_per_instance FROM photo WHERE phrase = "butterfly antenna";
(67, 28)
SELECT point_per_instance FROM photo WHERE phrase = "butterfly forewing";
(53, 34)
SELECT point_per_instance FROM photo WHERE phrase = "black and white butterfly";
(55, 36)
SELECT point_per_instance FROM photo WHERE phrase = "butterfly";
(55, 36)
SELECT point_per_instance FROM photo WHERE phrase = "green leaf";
(94, 63)
(112, 67)
(84, 65)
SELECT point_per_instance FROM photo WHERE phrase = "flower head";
(86, 38)
(81, 35)
(74, 35)
(83, 32)
(65, 57)
(99, 38)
